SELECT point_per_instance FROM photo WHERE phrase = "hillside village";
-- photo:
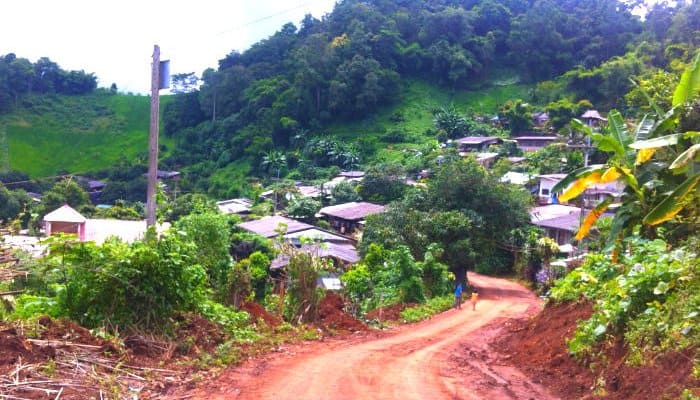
(400, 200)
(343, 222)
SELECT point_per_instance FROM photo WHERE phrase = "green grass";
(77, 134)
(417, 101)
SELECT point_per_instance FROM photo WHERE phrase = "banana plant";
(645, 199)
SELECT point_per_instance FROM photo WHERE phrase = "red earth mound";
(14, 347)
(538, 348)
(331, 315)
(202, 334)
(66, 330)
(388, 313)
(258, 312)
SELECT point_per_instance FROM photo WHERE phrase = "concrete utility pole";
(153, 140)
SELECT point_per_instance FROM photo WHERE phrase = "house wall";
(545, 193)
(343, 226)
(66, 227)
(560, 236)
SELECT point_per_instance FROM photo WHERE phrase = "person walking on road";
(474, 299)
(458, 296)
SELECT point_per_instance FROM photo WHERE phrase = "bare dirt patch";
(258, 312)
(538, 348)
(389, 313)
(332, 317)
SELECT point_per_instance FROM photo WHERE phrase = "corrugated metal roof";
(477, 139)
(317, 235)
(353, 211)
(343, 251)
(267, 226)
(570, 222)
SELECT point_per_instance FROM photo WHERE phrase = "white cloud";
(115, 40)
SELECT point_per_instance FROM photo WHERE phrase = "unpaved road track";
(446, 357)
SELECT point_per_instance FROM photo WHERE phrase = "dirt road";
(445, 357)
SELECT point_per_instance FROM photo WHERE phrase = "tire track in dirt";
(420, 361)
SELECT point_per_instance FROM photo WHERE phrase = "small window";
(545, 192)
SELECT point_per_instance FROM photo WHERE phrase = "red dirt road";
(446, 357)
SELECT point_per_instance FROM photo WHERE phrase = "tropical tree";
(304, 208)
(66, 191)
(344, 192)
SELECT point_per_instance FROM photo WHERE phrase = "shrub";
(651, 298)
(143, 283)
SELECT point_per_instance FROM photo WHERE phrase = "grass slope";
(417, 100)
(77, 134)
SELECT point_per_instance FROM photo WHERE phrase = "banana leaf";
(612, 174)
(617, 128)
(685, 157)
(577, 125)
(574, 175)
(580, 185)
(609, 144)
(592, 217)
(689, 85)
(672, 204)
(655, 143)
(644, 128)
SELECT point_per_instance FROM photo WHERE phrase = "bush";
(211, 235)
(651, 298)
(142, 284)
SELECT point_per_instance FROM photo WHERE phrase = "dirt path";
(446, 357)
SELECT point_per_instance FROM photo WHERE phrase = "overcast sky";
(114, 39)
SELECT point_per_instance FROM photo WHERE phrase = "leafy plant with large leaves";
(655, 161)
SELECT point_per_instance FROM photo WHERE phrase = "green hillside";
(418, 99)
(76, 134)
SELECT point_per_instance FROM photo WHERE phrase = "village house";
(593, 118)
(476, 143)
(540, 119)
(534, 143)
(560, 222)
(593, 195)
(515, 159)
(343, 255)
(516, 178)
(270, 226)
(352, 175)
(168, 175)
(349, 217)
(596, 193)
(235, 206)
(486, 159)
(307, 238)
(66, 220)
(546, 183)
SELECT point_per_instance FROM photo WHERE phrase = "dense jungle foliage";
(341, 93)
(300, 91)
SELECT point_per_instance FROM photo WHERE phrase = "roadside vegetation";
(385, 88)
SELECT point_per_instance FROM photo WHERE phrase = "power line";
(261, 19)
(43, 178)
